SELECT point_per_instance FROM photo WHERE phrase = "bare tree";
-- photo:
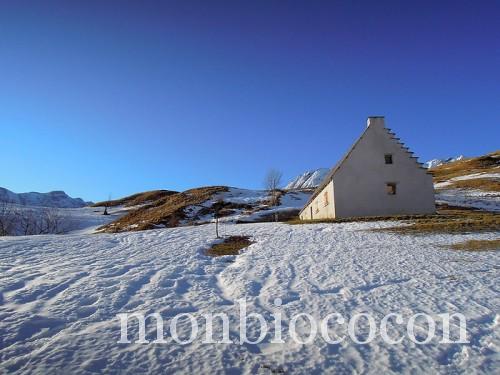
(272, 183)
(40, 221)
(27, 222)
(31, 221)
(7, 219)
(51, 222)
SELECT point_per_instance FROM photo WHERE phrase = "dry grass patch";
(229, 246)
(297, 220)
(447, 220)
(136, 199)
(450, 221)
(167, 212)
(477, 245)
(482, 164)
(485, 184)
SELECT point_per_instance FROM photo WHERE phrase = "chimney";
(378, 121)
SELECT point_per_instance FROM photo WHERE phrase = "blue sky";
(119, 97)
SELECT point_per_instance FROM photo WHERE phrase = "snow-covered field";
(482, 200)
(471, 198)
(59, 296)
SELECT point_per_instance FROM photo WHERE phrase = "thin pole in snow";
(217, 226)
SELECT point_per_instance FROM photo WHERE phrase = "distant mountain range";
(57, 199)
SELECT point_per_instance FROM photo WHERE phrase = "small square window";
(391, 188)
(388, 158)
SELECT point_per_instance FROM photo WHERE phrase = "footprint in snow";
(87, 301)
(346, 294)
(86, 311)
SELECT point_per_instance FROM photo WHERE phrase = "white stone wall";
(322, 208)
(360, 183)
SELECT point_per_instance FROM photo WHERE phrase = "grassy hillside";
(136, 199)
(167, 211)
(489, 163)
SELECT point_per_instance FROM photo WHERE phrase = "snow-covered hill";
(57, 199)
(436, 162)
(471, 182)
(198, 206)
(308, 180)
(247, 206)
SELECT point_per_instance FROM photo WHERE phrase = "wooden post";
(217, 206)
(217, 225)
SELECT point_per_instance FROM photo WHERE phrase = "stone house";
(378, 176)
